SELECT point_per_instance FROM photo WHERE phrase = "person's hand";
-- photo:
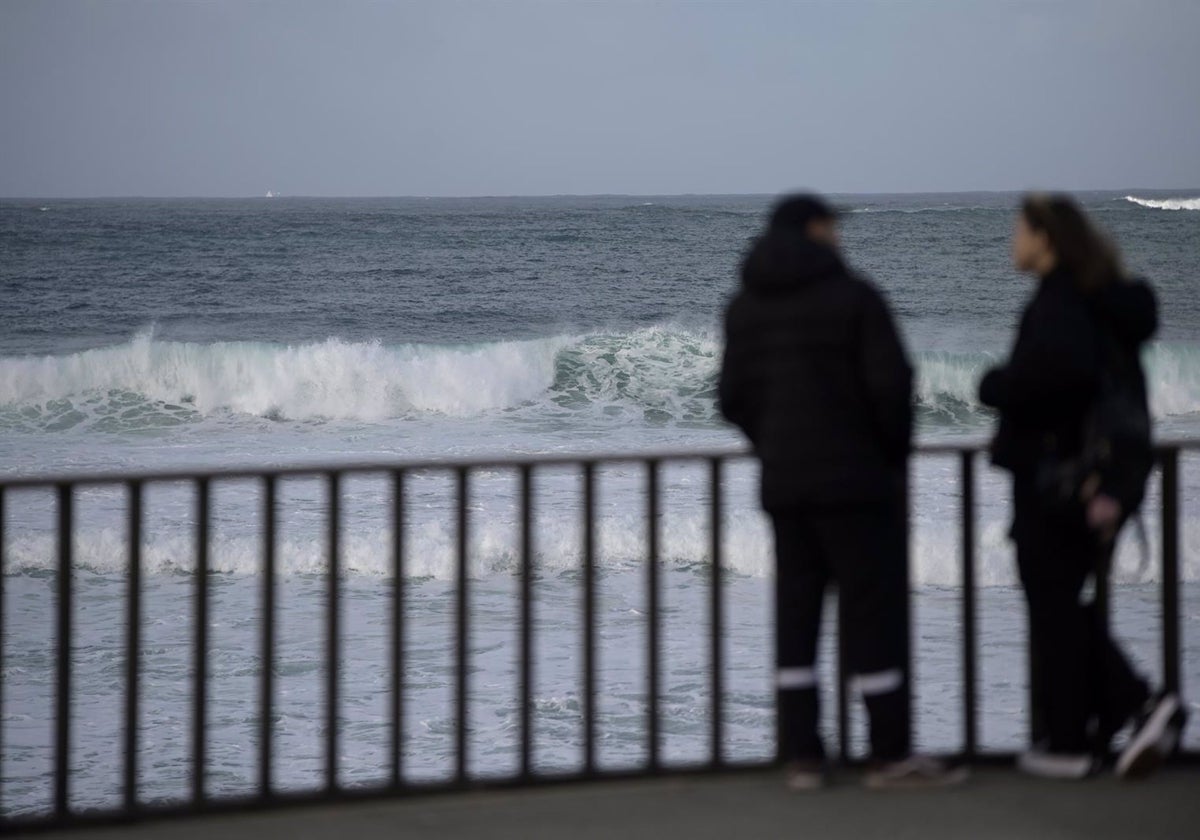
(1103, 515)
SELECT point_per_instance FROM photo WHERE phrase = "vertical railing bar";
(333, 607)
(200, 652)
(2, 614)
(266, 734)
(133, 625)
(62, 745)
(1101, 602)
(652, 627)
(843, 690)
(906, 518)
(1170, 569)
(1036, 722)
(970, 719)
(716, 619)
(462, 628)
(397, 665)
(526, 633)
(589, 618)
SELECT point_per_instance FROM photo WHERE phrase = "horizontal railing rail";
(483, 462)
(524, 469)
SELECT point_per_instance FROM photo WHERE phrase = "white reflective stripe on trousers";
(793, 678)
(879, 682)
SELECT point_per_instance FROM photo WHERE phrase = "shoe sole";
(1056, 767)
(1152, 743)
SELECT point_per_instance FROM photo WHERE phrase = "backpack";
(1117, 451)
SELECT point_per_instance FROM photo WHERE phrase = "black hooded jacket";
(1047, 387)
(816, 376)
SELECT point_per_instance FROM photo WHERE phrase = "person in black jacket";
(815, 375)
(1084, 688)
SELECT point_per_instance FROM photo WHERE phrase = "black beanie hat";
(794, 212)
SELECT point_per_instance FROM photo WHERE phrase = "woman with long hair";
(1084, 688)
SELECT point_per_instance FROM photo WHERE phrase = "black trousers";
(1084, 689)
(862, 550)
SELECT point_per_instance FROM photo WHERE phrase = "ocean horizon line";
(568, 195)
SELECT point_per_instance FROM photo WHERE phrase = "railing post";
(133, 646)
(266, 731)
(397, 665)
(200, 653)
(589, 619)
(843, 678)
(462, 629)
(1100, 605)
(62, 744)
(652, 686)
(334, 632)
(970, 706)
(525, 641)
(1170, 568)
(716, 619)
(906, 595)
(2, 615)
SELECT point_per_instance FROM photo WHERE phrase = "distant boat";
(270, 194)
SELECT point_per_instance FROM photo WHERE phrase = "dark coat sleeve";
(888, 376)
(1054, 364)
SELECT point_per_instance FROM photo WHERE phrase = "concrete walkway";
(994, 804)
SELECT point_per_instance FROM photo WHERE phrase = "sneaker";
(806, 774)
(1056, 765)
(916, 771)
(1155, 736)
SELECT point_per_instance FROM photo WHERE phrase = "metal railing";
(133, 807)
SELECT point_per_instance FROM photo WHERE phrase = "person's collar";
(1057, 276)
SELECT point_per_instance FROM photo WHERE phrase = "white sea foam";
(1166, 203)
(655, 369)
(654, 373)
(431, 551)
(333, 379)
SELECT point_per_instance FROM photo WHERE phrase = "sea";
(149, 334)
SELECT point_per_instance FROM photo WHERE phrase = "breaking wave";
(653, 374)
(948, 383)
(1166, 203)
(657, 373)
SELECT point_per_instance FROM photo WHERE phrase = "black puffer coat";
(816, 376)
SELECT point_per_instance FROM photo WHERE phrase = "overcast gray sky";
(515, 97)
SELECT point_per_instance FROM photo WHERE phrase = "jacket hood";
(1127, 308)
(781, 262)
